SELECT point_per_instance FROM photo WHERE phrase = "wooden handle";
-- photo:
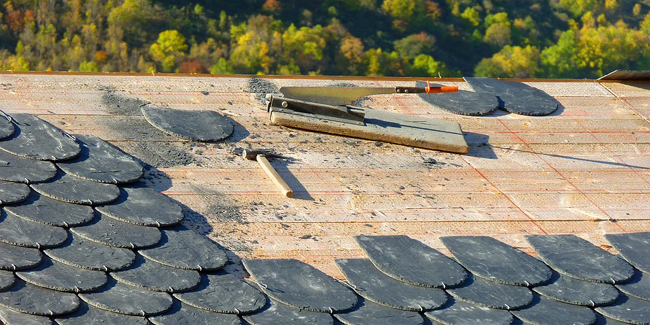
(274, 176)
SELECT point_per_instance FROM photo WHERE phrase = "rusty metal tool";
(261, 157)
(347, 96)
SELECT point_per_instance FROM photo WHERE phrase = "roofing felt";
(183, 184)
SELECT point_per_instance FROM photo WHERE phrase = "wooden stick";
(274, 176)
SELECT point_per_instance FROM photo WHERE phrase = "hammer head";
(252, 154)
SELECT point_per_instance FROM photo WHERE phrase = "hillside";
(495, 38)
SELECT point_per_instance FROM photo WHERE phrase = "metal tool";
(344, 114)
(260, 157)
(347, 96)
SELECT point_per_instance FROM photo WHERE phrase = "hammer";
(260, 156)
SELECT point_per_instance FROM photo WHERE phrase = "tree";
(511, 61)
(425, 66)
(405, 13)
(472, 16)
(414, 45)
(558, 61)
(498, 32)
(169, 46)
(350, 56)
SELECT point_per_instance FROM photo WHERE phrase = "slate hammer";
(260, 157)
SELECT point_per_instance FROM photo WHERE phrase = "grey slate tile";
(300, 285)
(7, 280)
(183, 248)
(51, 212)
(379, 288)
(57, 276)
(183, 314)
(128, 300)
(628, 310)
(369, 313)
(638, 287)
(17, 258)
(34, 300)
(37, 139)
(86, 315)
(154, 276)
(578, 292)
(462, 313)
(493, 260)
(492, 294)
(90, 255)
(116, 233)
(12, 317)
(546, 311)
(206, 126)
(13, 192)
(23, 170)
(101, 162)
(573, 256)
(411, 261)
(19, 232)
(143, 206)
(7, 128)
(72, 189)
(462, 102)
(280, 314)
(516, 97)
(224, 294)
(633, 247)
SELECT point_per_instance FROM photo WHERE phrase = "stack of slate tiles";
(81, 244)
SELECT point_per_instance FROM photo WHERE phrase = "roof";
(581, 171)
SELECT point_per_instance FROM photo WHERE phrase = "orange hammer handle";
(442, 89)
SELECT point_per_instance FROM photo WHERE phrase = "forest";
(419, 38)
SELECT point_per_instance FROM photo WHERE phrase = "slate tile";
(638, 287)
(224, 293)
(119, 234)
(578, 292)
(280, 314)
(546, 311)
(23, 170)
(7, 128)
(516, 97)
(411, 261)
(30, 299)
(143, 206)
(12, 317)
(492, 294)
(205, 126)
(633, 247)
(369, 313)
(57, 276)
(183, 248)
(628, 310)
(17, 258)
(573, 256)
(300, 285)
(462, 313)
(72, 189)
(157, 277)
(7, 280)
(19, 232)
(182, 314)
(90, 255)
(37, 139)
(13, 192)
(91, 315)
(462, 102)
(379, 288)
(128, 300)
(51, 212)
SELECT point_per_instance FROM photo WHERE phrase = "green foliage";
(472, 16)
(511, 61)
(88, 67)
(404, 12)
(414, 45)
(425, 66)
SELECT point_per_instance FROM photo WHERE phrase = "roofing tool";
(346, 96)
(261, 157)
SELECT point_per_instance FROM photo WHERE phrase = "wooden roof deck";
(584, 170)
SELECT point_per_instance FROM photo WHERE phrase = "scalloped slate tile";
(72, 189)
(13, 192)
(11, 317)
(545, 311)
(7, 280)
(628, 310)
(183, 248)
(37, 139)
(34, 300)
(411, 261)
(143, 206)
(17, 258)
(89, 255)
(101, 162)
(516, 97)
(51, 212)
(602, 320)
(182, 314)
(300, 285)
(22, 170)
(633, 248)
(491, 259)
(462, 313)
(91, 315)
(128, 300)
(206, 126)
(224, 294)
(61, 277)
(157, 277)
(578, 292)
(279, 314)
(573, 256)
(462, 102)
(115, 233)
(379, 288)
(638, 287)
(369, 313)
(7, 128)
(19, 232)
(492, 294)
